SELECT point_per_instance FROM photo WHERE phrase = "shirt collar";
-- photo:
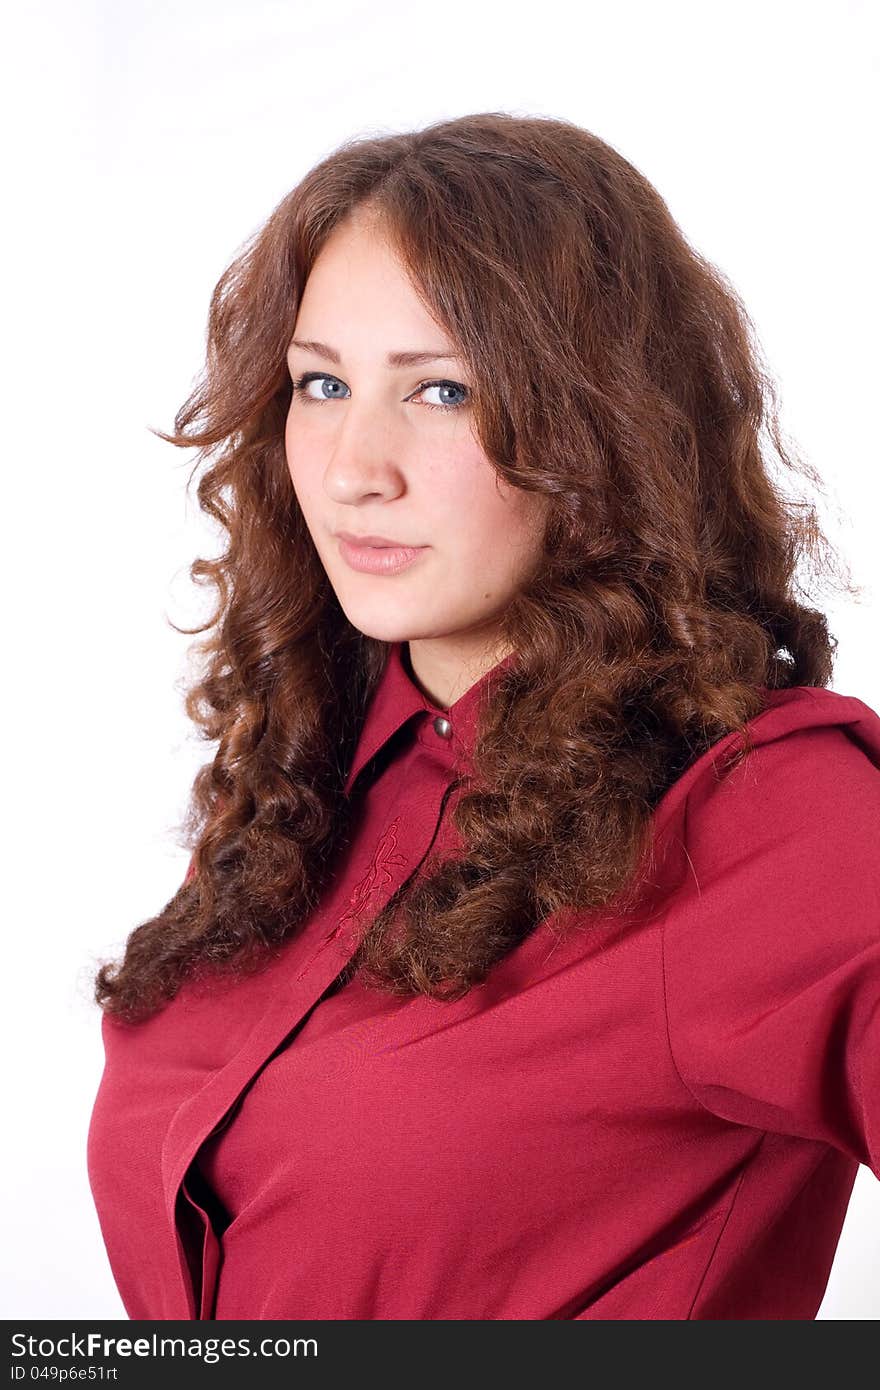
(397, 698)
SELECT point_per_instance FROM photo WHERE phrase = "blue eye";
(334, 394)
(443, 386)
(302, 382)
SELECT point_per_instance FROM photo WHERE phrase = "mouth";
(377, 542)
(376, 555)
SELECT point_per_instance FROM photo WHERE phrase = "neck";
(445, 667)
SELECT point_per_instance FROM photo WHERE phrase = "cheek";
(289, 454)
(490, 507)
(296, 456)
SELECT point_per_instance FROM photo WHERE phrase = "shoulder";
(780, 852)
(771, 934)
(811, 780)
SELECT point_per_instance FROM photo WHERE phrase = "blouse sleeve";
(772, 948)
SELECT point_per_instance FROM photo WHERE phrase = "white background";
(147, 140)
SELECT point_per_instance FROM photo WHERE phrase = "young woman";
(528, 963)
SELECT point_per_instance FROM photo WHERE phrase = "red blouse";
(657, 1120)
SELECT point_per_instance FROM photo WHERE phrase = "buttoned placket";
(199, 1116)
(205, 1113)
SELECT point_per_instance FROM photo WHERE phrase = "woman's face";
(368, 455)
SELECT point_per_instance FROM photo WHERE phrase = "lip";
(380, 541)
(376, 554)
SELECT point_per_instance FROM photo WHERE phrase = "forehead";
(358, 247)
(358, 286)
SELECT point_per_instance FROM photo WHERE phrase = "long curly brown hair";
(615, 371)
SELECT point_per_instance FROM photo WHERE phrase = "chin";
(390, 622)
(385, 621)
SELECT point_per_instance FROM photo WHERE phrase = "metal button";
(442, 726)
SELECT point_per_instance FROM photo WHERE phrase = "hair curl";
(616, 372)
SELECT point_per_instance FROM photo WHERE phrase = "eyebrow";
(394, 359)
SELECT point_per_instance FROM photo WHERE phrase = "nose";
(364, 459)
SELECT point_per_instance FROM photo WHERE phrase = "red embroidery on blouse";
(379, 875)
